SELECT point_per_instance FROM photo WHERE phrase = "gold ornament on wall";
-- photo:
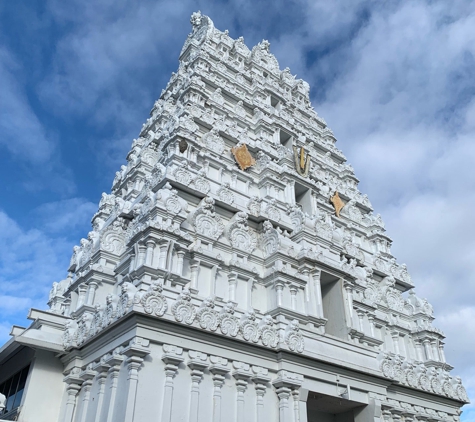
(243, 157)
(302, 161)
(338, 204)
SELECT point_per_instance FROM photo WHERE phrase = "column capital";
(286, 379)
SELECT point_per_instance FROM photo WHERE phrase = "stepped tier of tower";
(286, 255)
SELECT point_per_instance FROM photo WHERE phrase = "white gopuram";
(234, 273)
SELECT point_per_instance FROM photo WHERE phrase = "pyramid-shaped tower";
(234, 273)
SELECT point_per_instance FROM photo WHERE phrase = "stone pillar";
(162, 258)
(149, 253)
(218, 369)
(427, 349)
(82, 289)
(317, 292)
(74, 383)
(285, 383)
(87, 376)
(198, 363)
(172, 358)
(296, 397)
(101, 380)
(194, 270)
(115, 360)
(441, 352)
(418, 347)
(260, 380)
(179, 264)
(279, 289)
(435, 350)
(232, 281)
(360, 314)
(371, 324)
(135, 353)
(91, 293)
(395, 337)
(242, 374)
(348, 285)
(141, 256)
(293, 297)
(132, 261)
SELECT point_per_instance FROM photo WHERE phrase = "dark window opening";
(285, 139)
(303, 197)
(13, 389)
(333, 306)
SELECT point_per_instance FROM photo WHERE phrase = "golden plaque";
(243, 157)
(338, 204)
(302, 162)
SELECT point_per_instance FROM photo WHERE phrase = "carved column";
(293, 297)
(296, 399)
(348, 285)
(194, 269)
(115, 360)
(162, 258)
(371, 324)
(435, 350)
(179, 264)
(279, 289)
(260, 380)
(135, 352)
(172, 358)
(102, 369)
(132, 261)
(317, 292)
(427, 349)
(441, 352)
(141, 256)
(395, 337)
(87, 376)
(284, 385)
(82, 289)
(418, 346)
(91, 293)
(218, 369)
(242, 375)
(232, 280)
(74, 383)
(149, 253)
(360, 314)
(198, 363)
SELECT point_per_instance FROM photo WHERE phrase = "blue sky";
(394, 80)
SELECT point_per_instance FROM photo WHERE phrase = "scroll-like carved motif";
(296, 216)
(269, 336)
(338, 204)
(84, 326)
(126, 299)
(213, 142)
(272, 211)
(97, 319)
(182, 175)
(70, 334)
(110, 312)
(269, 240)
(293, 337)
(229, 323)
(153, 301)
(206, 221)
(183, 309)
(254, 205)
(249, 327)
(113, 237)
(243, 157)
(225, 194)
(201, 183)
(239, 234)
(207, 316)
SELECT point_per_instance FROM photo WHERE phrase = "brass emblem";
(243, 157)
(302, 162)
(338, 204)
